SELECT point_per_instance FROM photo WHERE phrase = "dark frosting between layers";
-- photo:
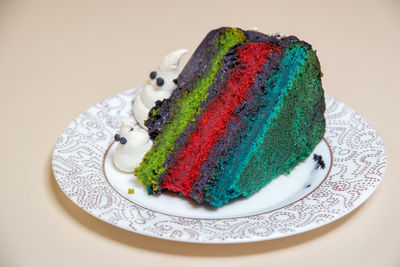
(228, 63)
(235, 128)
(248, 108)
(195, 68)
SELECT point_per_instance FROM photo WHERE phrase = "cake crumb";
(319, 161)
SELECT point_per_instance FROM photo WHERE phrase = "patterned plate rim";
(359, 162)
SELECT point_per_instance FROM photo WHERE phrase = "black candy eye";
(160, 81)
(117, 137)
(153, 75)
(123, 141)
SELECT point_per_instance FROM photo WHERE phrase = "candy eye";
(153, 75)
(123, 141)
(160, 81)
(117, 137)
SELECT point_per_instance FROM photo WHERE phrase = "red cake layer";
(213, 122)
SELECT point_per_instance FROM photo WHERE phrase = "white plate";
(304, 200)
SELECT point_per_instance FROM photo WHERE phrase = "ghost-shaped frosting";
(159, 86)
(133, 143)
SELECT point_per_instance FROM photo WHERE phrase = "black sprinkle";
(160, 81)
(320, 162)
(117, 137)
(123, 141)
(307, 186)
(153, 75)
(175, 81)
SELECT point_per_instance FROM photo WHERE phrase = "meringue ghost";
(158, 87)
(134, 142)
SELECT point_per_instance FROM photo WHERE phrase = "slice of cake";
(248, 107)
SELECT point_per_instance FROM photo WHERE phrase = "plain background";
(58, 58)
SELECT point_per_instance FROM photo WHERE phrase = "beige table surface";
(58, 58)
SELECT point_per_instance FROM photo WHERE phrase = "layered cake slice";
(248, 107)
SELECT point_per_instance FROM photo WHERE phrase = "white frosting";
(128, 156)
(151, 92)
